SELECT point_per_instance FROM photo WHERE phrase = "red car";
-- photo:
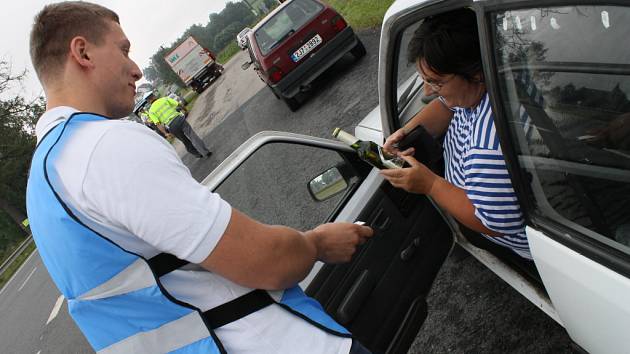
(296, 43)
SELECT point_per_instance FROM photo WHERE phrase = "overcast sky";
(148, 24)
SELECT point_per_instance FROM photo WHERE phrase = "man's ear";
(79, 52)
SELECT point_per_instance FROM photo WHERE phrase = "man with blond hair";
(167, 266)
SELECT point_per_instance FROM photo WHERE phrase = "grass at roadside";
(228, 52)
(360, 13)
(4, 277)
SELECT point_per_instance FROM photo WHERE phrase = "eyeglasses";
(436, 86)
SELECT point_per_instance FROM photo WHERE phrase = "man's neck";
(75, 96)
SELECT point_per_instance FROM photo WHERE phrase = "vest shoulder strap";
(238, 308)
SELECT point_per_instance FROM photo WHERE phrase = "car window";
(288, 19)
(564, 78)
(271, 185)
(409, 94)
(243, 32)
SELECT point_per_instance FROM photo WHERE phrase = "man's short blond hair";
(57, 24)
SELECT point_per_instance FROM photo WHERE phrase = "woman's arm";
(421, 180)
(435, 118)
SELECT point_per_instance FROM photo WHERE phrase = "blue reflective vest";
(114, 295)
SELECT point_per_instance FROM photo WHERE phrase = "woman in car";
(476, 188)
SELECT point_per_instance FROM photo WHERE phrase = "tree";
(17, 126)
(151, 74)
(227, 34)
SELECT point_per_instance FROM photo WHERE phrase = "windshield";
(243, 32)
(284, 23)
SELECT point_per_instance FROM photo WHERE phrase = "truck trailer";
(194, 64)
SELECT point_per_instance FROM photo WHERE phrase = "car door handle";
(381, 220)
(354, 298)
(410, 251)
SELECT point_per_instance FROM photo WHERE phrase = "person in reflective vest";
(165, 113)
(165, 266)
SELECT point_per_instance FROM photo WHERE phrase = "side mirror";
(246, 65)
(328, 184)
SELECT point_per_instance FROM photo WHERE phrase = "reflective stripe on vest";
(113, 294)
(164, 112)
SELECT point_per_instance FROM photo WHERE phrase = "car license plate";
(306, 48)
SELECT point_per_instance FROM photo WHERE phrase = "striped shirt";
(474, 162)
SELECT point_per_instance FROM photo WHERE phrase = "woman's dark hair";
(448, 43)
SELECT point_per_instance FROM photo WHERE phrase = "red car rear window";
(284, 23)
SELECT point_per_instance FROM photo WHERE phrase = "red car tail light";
(339, 23)
(275, 74)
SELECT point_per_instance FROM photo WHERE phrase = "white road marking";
(27, 278)
(6, 285)
(55, 310)
(39, 351)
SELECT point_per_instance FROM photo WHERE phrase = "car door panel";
(380, 295)
(391, 274)
(574, 189)
(591, 299)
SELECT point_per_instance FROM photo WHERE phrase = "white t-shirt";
(127, 183)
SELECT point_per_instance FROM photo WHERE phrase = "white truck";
(194, 64)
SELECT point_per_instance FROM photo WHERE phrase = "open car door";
(301, 181)
(561, 84)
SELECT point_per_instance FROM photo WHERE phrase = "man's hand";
(392, 141)
(417, 178)
(337, 242)
(274, 257)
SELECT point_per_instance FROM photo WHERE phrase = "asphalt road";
(470, 309)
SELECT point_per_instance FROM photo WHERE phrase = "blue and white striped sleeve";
(487, 181)
(489, 188)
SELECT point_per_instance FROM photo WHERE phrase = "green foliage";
(17, 126)
(16, 264)
(228, 35)
(360, 13)
(228, 52)
(10, 236)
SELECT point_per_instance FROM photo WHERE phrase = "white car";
(241, 38)
(556, 74)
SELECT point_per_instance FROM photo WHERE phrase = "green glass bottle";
(369, 151)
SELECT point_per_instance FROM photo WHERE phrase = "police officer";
(166, 113)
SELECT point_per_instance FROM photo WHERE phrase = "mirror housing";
(327, 184)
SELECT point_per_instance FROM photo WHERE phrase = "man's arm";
(269, 257)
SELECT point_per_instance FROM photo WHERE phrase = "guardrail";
(18, 251)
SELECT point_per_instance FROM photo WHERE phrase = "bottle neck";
(346, 138)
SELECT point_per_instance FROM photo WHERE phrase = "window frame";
(577, 238)
(347, 154)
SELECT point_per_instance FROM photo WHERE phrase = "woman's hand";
(417, 178)
(392, 142)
